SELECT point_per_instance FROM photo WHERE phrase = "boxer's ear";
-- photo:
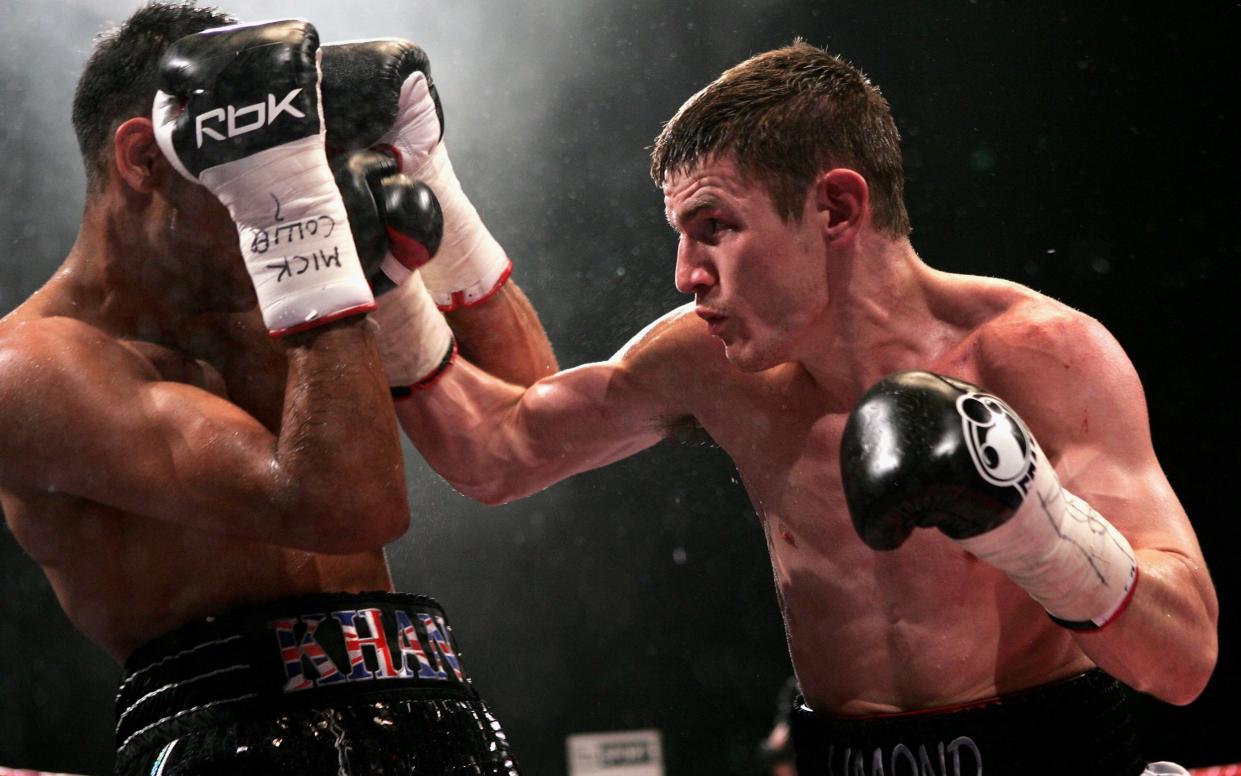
(137, 160)
(841, 198)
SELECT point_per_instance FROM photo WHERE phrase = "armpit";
(688, 431)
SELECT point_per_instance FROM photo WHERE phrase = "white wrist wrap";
(469, 265)
(413, 338)
(1066, 555)
(294, 234)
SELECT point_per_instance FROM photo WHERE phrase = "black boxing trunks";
(325, 684)
(1077, 727)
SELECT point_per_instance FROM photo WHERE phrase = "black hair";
(119, 80)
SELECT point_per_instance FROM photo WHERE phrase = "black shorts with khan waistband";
(333, 683)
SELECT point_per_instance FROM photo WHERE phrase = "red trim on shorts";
(336, 316)
(922, 712)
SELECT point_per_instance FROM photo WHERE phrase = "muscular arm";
(93, 419)
(1083, 400)
(503, 337)
(496, 441)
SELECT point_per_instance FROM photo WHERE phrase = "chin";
(748, 358)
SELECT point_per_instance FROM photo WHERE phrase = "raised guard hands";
(238, 110)
(398, 225)
(380, 93)
(923, 450)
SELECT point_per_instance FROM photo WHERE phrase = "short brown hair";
(119, 80)
(785, 116)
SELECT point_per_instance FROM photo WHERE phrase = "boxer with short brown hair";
(1016, 426)
(208, 483)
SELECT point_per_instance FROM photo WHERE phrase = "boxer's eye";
(710, 229)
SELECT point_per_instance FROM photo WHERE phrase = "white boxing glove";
(238, 110)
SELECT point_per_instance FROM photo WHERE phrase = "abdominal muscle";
(921, 627)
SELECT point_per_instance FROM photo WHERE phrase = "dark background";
(1088, 153)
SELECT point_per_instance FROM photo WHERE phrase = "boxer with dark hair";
(1012, 423)
(198, 440)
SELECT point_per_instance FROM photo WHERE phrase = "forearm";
(491, 319)
(337, 434)
(460, 428)
(503, 337)
(496, 442)
(1165, 643)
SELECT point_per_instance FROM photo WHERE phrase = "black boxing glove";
(238, 111)
(923, 450)
(397, 224)
(362, 83)
(380, 93)
(396, 221)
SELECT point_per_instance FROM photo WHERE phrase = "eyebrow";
(697, 203)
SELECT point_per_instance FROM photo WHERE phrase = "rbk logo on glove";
(265, 113)
(231, 92)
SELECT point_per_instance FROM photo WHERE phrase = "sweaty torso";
(923, 626)
(124, 578)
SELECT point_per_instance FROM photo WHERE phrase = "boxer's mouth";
(715, 319)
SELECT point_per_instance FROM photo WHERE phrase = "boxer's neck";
(116, 280)
(881, 317)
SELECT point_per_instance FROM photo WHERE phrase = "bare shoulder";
(677, 363)
(41, 349)
(51, 369)
(675, 343)
(676, 331)
(1036, 336)
(1015, 331)
(1060, 368)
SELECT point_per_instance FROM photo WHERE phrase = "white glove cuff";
(1066, 555)
(470, 264)
(294, 235)
(415, 343)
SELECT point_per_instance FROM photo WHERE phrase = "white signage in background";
(626, 753)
